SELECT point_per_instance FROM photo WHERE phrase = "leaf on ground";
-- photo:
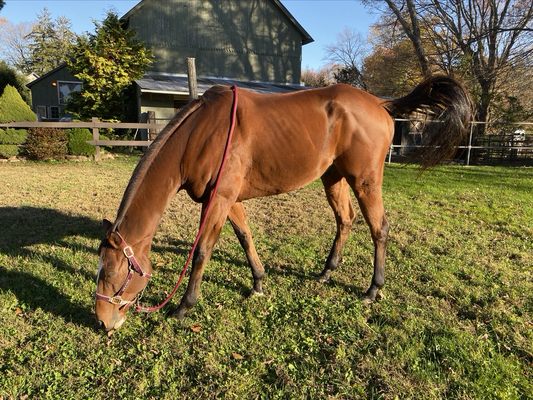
(196, 328)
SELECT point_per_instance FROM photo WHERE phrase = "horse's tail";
(447, 103)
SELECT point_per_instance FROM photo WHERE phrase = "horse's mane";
(144, 164)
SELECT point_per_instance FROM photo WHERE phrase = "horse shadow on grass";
(227, 260)
(24, 227)
(36, 293)
(182, 248)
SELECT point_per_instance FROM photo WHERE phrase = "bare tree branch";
(491, 35)
(348, 52)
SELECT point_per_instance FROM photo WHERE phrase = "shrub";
(46, 143)
(77, 142)
(13, 108)
(10, 141)
(8, 150)
(13, 136)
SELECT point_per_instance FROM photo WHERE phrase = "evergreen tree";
(2, 3)
(13, 108)
(9, 76)
(107, 62)
(49, 43)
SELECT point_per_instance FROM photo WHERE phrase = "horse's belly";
(270, 176)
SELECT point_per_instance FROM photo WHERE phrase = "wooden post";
(152, 133)
(96, 138)
(191, 75)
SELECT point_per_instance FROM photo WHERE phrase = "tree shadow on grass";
(26, 226)
(23, 227)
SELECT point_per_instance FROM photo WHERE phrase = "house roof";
(306, 37)
(178, 84)
(52, 71)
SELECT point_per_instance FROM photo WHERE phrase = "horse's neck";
(154, 191)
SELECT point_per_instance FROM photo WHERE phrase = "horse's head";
(120, 279)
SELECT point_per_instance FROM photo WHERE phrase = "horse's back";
(291, 139)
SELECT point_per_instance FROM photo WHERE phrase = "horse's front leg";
(213, 225)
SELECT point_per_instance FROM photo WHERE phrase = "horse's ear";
(107, 225)
(112, 237)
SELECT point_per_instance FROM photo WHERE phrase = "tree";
(481, 39)
(2, 3)
(411, 26)
(320, 78)
(107, 62)
(347, 53)
(49, 43)
(14, 44)
(392, 70)
(9, 76)
(13, 108)
(490, 34)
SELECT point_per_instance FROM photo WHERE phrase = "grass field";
(455, 323)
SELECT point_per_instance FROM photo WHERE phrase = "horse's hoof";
(178, 313)
(255, 293)
(325, 277)
(367, 301)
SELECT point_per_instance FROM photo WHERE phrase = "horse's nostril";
(100, 325)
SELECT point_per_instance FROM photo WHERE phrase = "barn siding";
(249, 40)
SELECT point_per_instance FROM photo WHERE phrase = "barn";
(256, 44)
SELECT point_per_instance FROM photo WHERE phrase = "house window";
(64, 89)
(41, 112)
(54, 112)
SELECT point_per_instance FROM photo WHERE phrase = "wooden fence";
(95, 125)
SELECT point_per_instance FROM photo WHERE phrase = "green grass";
(455, 322)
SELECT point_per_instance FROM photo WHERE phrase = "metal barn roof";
(178, 84)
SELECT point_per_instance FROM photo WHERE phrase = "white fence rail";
(470, 147)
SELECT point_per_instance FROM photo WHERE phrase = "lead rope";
(149, 309)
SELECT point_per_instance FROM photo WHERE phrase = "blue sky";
(323, 19)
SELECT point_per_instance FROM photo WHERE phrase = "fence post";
(390, 152)
(152, 133)
(96, 138)
(470, 143)
(191, 75)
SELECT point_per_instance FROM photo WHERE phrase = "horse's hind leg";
(237, 217)
(368, 193)
(338, 195)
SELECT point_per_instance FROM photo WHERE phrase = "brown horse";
(281, 143)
